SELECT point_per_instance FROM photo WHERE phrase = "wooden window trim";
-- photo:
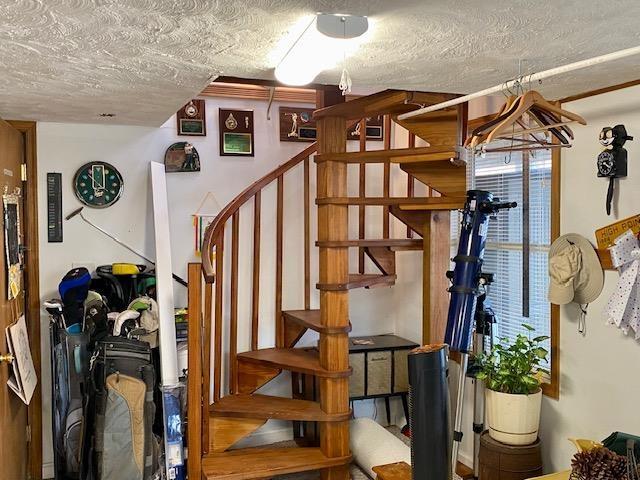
(552, 390)
(600, 91)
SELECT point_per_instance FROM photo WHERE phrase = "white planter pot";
(513, 419)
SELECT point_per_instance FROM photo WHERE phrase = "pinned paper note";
(23, 378)
(12, 234)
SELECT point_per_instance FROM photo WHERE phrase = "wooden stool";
(393, 471)
(508, 462)
(402, 471)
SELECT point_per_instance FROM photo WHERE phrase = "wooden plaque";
(606, 236)
(236, 133)
(181, 157)
(375, 129)
(191, 120)
(297, 125)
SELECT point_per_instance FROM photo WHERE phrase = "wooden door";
(14, 448)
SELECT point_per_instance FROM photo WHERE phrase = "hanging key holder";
(612, 161)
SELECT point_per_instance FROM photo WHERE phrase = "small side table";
(508, 462)
(380, 369)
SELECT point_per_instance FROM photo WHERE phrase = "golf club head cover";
(73, 289)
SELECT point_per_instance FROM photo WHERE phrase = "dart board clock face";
(98, 184)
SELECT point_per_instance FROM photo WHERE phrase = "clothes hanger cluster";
(528, 121)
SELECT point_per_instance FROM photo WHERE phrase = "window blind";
(501, 173)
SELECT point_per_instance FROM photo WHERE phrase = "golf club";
(78, 211)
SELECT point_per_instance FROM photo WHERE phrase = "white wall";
(65, 147)
(599, 384)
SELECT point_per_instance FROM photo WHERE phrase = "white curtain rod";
(534, 77)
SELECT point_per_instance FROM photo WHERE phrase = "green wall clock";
(98, 184)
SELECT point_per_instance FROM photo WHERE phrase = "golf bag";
(118, 438)
(68, 354)
(69, 360)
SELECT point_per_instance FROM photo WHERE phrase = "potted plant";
(512, 374)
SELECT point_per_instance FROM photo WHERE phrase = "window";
(519, 292)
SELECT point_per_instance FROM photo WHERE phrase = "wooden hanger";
(476, 136)
(548, 118)
(507, 104)
(524, 103)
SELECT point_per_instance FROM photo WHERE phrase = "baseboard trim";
(48, 471)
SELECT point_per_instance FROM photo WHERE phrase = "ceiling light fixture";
(327, 40)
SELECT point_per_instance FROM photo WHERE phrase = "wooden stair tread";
(446, 177)
(257, 463)
(446, 203)
(382, 103)
(366, 280)
(439, 128)
(395, 155)
(413, 219)
(268, 407)
(311, 319)
(392, 243)
(293, 359)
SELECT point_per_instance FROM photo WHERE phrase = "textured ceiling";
(69, 60)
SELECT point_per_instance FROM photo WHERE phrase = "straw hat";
(575, 271)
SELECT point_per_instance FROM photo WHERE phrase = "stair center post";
(334, 305)
(436, 231)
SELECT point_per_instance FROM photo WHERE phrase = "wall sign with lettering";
(606, 236)
(54, 207)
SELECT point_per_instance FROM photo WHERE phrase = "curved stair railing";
(213, 271)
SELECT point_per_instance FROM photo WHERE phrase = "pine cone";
(598, 464)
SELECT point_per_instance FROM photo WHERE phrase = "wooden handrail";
(362, 192)
(255, 291)
(217, 226)
(411, 181)
(194, 379)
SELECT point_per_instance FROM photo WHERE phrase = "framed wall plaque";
(297, 125)
(181, 157)
(236, 133)
(375, 129)
(191, 119)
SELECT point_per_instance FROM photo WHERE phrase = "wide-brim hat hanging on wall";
(575, 272)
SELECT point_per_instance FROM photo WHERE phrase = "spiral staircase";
(234, 410)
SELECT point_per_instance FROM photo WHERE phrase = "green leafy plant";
(514, 366)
